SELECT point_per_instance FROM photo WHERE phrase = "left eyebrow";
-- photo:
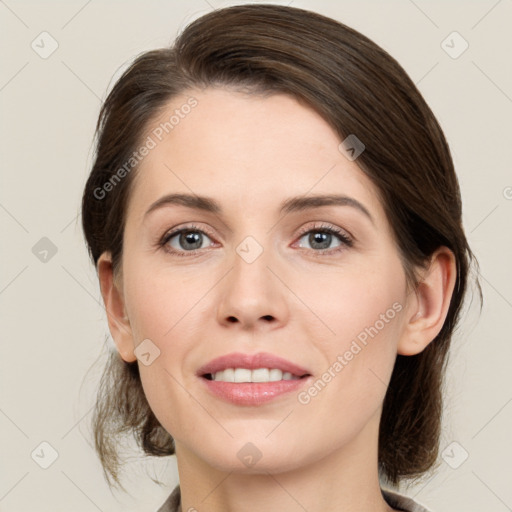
(293, 204)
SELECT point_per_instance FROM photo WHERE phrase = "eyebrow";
(293, 204)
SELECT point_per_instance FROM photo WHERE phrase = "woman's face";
(272, 269)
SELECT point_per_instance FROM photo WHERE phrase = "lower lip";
(252, 393)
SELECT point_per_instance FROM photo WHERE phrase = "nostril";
(268, 317)
(232, 319)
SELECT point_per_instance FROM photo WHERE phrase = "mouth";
(260, 367)
(252, 379)
(262, 375)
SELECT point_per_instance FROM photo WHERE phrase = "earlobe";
(113, 299)
(430, 306)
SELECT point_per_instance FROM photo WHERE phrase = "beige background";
(52, 323)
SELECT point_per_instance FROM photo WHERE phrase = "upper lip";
(251, 362)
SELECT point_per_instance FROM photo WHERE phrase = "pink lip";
(252, 362)
(252, 393)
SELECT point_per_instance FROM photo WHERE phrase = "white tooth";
(229, 375)
(242, 375)
(260, 375)
(275, 374)
(257, 375)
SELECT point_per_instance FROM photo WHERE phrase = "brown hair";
(358, 88)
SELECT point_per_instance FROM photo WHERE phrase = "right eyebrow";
(191, 201)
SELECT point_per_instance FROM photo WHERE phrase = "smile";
(248, 375)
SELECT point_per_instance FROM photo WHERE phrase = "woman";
(276, 224)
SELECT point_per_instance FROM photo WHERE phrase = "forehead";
(248, 151)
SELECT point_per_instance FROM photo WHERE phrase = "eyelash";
(345, 240)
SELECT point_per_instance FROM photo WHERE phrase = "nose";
(252, 297)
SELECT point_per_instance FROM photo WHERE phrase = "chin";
(246, 457)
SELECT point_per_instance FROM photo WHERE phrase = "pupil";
(191, 238)
(320, 240)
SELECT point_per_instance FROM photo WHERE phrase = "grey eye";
(188, 240)
(320, 240)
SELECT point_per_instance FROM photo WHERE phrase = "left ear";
(427, 310)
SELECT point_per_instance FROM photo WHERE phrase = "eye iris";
(190, 237)
(323, 239)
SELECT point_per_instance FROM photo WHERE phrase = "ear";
(427, 310)
(118, 321)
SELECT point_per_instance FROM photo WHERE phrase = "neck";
(346, 479)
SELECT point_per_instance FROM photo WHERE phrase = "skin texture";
(305, 304)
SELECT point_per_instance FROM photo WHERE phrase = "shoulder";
(402, 502)
(172, 503)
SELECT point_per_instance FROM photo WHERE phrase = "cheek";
(366, 318)
(158, 300)
(164, 308)
(353, 302)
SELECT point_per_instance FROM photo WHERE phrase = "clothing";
(393, 498)
(172, 503)
(402, 502)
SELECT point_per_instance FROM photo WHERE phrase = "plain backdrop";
(53, 325)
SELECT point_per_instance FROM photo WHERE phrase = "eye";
(322, 239)
(326, 238)
(185, 241)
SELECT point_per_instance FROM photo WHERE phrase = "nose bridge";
(250, 275)
(251, 292)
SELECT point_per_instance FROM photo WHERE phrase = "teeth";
(257, 375)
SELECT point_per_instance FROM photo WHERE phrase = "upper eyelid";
(324, 226)
(176, 231)
(193, 227)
